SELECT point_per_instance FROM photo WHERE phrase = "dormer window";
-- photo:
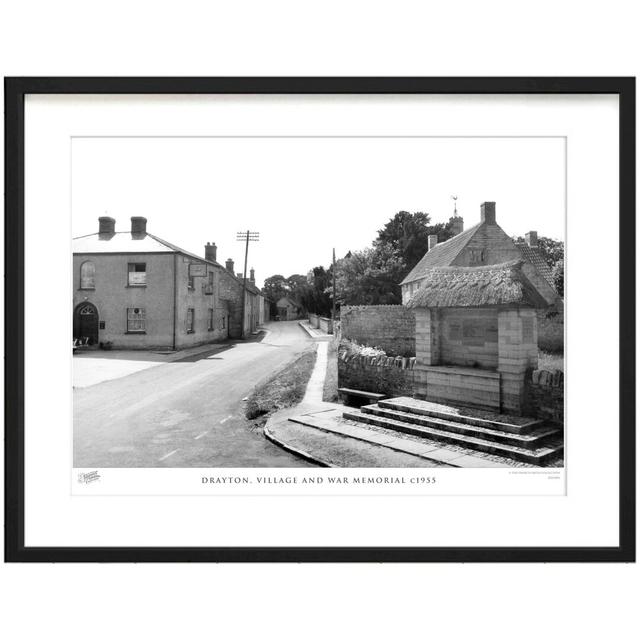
(477, 256)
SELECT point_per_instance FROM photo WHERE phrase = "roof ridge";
(509, 264)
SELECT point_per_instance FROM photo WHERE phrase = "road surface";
(186, 413)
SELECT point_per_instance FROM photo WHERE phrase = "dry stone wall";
(390, 375)
(544, 395)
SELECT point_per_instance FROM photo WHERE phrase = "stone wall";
(388, 327)
(544, 395)
(318, 322)
(392, 376)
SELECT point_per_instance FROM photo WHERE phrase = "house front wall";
(201, 299)
(112, 295)
(166, 287)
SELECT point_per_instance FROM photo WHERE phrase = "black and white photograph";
(318, 301)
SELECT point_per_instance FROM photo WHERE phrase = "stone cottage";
(485, 243)
(288, 309)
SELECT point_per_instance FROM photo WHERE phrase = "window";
(210, 323)
(190, 314)
(477, 256)
(137, 274)
(87, 275)
(136, 320)
(191, 283)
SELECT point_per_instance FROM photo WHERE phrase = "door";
(85, 322)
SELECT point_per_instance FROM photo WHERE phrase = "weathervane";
(455, 205)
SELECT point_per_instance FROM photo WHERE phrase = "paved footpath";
(186, 413)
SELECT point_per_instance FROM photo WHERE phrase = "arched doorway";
(85, 322)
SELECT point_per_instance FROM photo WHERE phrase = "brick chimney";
(488, 212)
(252, 276)
(106, 226)
(239, 276)
(457, 224)
(210, 251)
(531, 238)
(433, 241)
(138, 226)
(229, 265)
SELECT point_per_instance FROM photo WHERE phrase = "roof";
(126, 242)
(293, 303)
(535, 257)
(491, 285)
(442, 255)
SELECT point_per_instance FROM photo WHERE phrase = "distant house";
(137, 291)
(484, 244)
(256, 308)
(288, 309)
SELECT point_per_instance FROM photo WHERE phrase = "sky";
(305, 195)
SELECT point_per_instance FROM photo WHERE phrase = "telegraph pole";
(246, 237)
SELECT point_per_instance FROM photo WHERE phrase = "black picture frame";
(15, 91)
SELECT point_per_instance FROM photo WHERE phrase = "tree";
(552, 250)
(370, 276)
(558, 277)
(275, 287)
(407, 234)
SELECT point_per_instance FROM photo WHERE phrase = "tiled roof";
(126, 242)
(442, 255)
(498, 284)
(534, 256)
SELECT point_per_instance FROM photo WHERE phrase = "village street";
(185, 413)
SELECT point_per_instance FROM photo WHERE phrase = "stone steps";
(448, 431)
(532, 440)
(499, 422)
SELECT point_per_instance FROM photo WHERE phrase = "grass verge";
(284, 389)
(330, 391)
(550, 361)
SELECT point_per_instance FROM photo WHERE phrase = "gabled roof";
(534, 256)
(491, 285)
(293, 303)
(126, 242)
(442, 255)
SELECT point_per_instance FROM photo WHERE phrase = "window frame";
(130, 271)
(93, 277)
(143, 315)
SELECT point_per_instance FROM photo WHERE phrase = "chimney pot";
(457, 224)
(138, 226)
(433, 241)
(252, 275)
(239, 275)
(488, 212)
(106, 226)
(229, 265)
(210, 252)
(531, 238)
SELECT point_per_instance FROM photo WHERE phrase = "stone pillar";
(517, 352)
(427, 347)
